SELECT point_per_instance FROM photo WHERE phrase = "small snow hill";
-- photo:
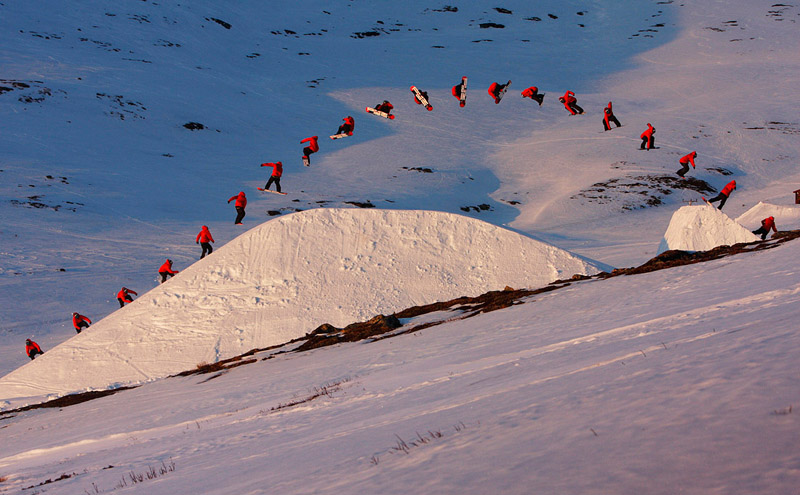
(284, 278)
(702, 227)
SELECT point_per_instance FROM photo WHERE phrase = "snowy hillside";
(676, 381)
(126, 125)
(283, 279)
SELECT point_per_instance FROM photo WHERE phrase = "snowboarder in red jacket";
(723, 195)
(608, 118)
(495, 89)
(204, 239)
(384, 107)
(80, 322)
(766, 225)
(647, 137)
(685, 161)
(570, 103)
(457, 90)
(277, 172)
(124, 296)
(166, 270)
(240, 204)
(533, 94)
(347, 127)
(312, 147)
(32, 349)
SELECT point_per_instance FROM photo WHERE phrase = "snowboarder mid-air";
(533, 94)
(723, 195)
(647, 137)
(608, 118)
(32, 349)
(204, 239)
(312, 147)
(124, 296)
(685, 161)
(348, 126)
(384, 107)
(166, 270)
(79, 322)
(570, 103)
(277, 172)
(497, 90)
(766, 225)
(240, 204)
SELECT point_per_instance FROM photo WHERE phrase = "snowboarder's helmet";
(169, 261)
(27, 341)
(75, 314)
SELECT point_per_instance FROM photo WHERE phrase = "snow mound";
(284, 278)
(786, 217)
(702, 227)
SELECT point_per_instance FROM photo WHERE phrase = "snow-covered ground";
(681, 380)
(703, 227)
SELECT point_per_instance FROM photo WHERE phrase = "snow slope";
(702, 227)
(677, 381)
(283, 279)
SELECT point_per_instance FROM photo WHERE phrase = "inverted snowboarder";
(166, 270)
(312, 147)
(608, 118)
(204, 239)
(497, 90)
(533, 94)
(571, 103)
(685, 161)
(723, 195)
(275, 177)
(647, 137)
(240, 204)
(766, 225)
(460, 91)
(421, 98)
(79, 322)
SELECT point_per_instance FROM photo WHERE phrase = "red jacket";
(351, 122)
(124, 294)
(76, 319)
(241, 199)
(31, 346)
(729, 187)
(769, 223)
(167, 267)
(384, 107)
(312, 143)
(648, 132)
(569, 98)
(688, 159)
(528, 93)
(277, 168)
(204, 235)
(493, 90)
(457, 91)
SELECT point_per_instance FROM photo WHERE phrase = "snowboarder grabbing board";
(421, 97)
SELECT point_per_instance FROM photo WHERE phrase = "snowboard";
(340, 136)
(462, 100)
(421, 98)
(380, 114)
(653, 148)
(709, 204)
(306, 160)
(502, 93)
(271, 191)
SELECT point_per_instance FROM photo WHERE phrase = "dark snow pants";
(165, 276)
(721, 198)
(613, 119)
(762, 232)
(684, 169)
(239, 215)
(276, 180)
(207, 249)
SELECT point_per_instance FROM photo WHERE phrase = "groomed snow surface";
(283, 279)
